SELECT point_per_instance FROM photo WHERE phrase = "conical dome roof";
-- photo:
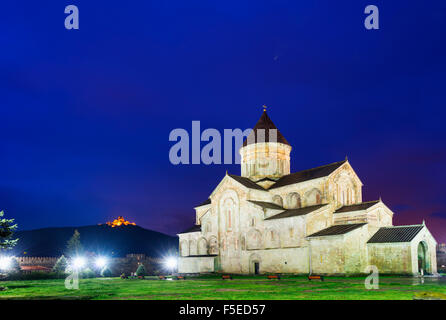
(266, 124)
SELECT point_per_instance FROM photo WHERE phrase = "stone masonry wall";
(118, 266)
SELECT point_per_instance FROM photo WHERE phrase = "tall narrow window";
(318, 198)
(229, 219)
(229, 211)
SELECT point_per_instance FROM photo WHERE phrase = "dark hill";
(101, 239)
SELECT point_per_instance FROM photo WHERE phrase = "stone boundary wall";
(37, 261)
(127, 264)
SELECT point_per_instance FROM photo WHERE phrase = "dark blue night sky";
(86, 114)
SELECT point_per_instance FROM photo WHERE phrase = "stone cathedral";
(269, 220)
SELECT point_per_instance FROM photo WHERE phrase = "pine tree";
(74, 246)
(7, 229)
(61, 265)
(141, 271)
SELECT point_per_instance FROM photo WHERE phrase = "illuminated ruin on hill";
(120, 221)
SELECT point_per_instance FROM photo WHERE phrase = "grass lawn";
(241, 288)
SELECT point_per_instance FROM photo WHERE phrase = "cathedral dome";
(265, 152)
(263, 127)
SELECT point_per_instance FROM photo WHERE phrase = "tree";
(7, 228)
(15, 265)
(61, 265)
(74, 246)
(106, 272)
(88, 273)
(141, 271)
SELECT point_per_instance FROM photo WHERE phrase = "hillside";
(101, 239)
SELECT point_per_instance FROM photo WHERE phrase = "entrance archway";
(254, 264)
(423, 258)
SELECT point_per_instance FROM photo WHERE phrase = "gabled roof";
(266, 124)
(266, 205)
(296, 212)
(396, 234)
(357, 207)
(337, 230)
(308, 174)
(208, 201)
(195, 228)
(246, 182)
(266, 179)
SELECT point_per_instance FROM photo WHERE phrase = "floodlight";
(5, 263)
(171, 263)
(79, 262)
(100, 262)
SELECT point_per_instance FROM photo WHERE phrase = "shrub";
(88, 273)
(106, 272)
(61, 265)
(141, 271)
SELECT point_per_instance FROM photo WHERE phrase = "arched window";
(272, 239)
(202, 247)
(192, 247)
(345, 190)
(318, 198)
(243, 241)
(278, 200)
(229, 206)
(293, 200)
(223, 244)
(313, 197)
(213, 245)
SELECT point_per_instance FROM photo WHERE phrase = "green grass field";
(241, 288)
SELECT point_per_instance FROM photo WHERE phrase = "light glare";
(101, 262)
(79, 262)
(5, 263)
(171, 263)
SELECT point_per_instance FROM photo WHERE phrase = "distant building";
(269, 220)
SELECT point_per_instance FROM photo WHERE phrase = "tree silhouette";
(7, 228)
(74, 246)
